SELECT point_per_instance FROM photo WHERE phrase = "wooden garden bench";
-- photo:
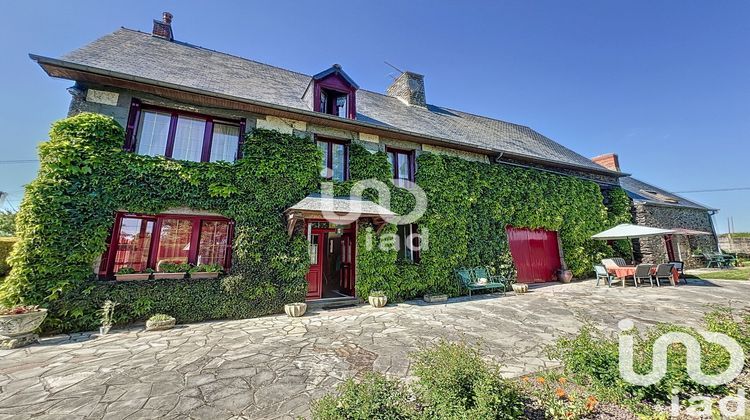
(470, 279)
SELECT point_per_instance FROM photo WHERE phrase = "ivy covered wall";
(85, 177)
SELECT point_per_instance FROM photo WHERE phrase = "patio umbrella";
(687, 232)
(628, 231)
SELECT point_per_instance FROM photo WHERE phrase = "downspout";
(711, 214)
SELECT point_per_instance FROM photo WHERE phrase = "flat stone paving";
(272, 367)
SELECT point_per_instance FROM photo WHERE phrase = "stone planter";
(295, 310)
(520, 288)
(204, 275)
(378, 301)
(565, 276)
(17, 330)
(160, 325)
(104, 329)
(168, 276)
(131, 277)
(435, 298)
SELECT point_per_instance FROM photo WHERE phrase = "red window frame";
(134, 120)
(329, 161)
(108, 260)
(412, 162)
(336, 84)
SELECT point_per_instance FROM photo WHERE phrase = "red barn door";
(535, 254)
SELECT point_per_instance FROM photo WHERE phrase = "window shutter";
(130, 130)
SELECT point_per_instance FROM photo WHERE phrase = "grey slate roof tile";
(139, 54)
(638, 190)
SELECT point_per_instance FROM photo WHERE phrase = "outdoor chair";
(608, 262)
(469, 278)
(601, 273)
(620, 261)
(713, 258)
(680, 267)
(663, 271)
(643, 272)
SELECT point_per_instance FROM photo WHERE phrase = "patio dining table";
(621, 272)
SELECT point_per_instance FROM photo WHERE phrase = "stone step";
(333, 303)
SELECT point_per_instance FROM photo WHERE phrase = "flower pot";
(435, 298)
(131, 277)
(378, 301)
(104, 329)
(204, 275)
(160, 325)
(565, 276)
(295, 310)
(17, 330)
(168, 276)
(520, 288)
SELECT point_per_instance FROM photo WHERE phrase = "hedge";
(85, 177)
(6, 245)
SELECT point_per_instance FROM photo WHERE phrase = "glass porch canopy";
(340, 210)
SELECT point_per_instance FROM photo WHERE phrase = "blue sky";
(666, 84)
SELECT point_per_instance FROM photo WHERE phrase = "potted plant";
(107, 314)
(160, 322)
(170, 270)
(564, 275)
(296, 309)
(17, 325)
(519, 288)
(129, 273)
(206, 271)
(377, 298)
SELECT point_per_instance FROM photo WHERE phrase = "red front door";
(347, 265)
(316, 248)
(536, 254)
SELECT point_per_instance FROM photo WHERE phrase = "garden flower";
(591, 402)
(540, 380)
(560, 392)
(562, 380)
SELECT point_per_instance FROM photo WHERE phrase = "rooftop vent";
(163, 27)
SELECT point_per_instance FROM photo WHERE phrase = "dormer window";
(333, 92)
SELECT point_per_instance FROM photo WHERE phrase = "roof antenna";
(394, 67)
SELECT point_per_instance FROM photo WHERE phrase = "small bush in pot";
(377, 298)
(17, 324)
(170, 270)
(205, 271)
(129, 274)
(295, 310)
(160, 322)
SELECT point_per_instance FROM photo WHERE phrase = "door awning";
(341, 210)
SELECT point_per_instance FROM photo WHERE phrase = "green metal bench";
(469, 278)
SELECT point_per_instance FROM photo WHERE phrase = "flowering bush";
(559, 398)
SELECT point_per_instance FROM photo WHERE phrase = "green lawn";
(728, 274)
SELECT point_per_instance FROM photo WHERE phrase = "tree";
(7, 223)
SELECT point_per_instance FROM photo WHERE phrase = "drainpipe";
(711, 214)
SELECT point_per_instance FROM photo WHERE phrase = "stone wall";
(735, 245)
(654, 251)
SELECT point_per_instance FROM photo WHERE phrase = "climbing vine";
(86, 176)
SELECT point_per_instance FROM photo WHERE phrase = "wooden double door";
(332, 261)
(536, 254)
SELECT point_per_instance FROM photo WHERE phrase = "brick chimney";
(163, 28)
(409, 88)
(609, 161)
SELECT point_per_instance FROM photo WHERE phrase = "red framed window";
(145, 241)
(402, 164)
(155, 131)
(335, 159)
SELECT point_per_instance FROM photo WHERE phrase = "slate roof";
(643, 192)
(139, 54)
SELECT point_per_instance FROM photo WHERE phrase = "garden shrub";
(373, 397)
(6, 245)
(592, 359)
(454, 382)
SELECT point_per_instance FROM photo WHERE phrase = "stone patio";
(272, 367)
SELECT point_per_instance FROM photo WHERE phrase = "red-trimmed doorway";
(332, 251)
(536, 254)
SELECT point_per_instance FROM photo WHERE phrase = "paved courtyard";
(272, 367)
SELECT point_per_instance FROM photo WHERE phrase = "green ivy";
(85, 177)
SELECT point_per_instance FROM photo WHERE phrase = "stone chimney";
(163, 28)
(609, 161)
(409, 88)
